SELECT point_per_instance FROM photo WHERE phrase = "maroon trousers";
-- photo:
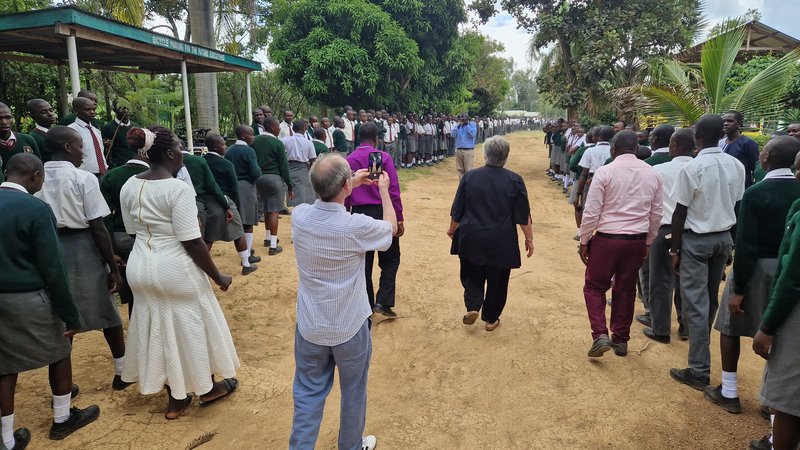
(613, 263)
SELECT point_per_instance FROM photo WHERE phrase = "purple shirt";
(370, 195)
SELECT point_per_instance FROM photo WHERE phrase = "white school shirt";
(779, 174)
(73, 195)
(261, 130)
(89, 156)
(662, 150)
(594, 157)
(329, 136)
(448, 127)
(391, 132)
(428, 129)
(349, 130)
(669, 172)
(298, 148)
(710, 185)
(286, 130)
(330, 246)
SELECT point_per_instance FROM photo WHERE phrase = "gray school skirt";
(33, 335)
(425, 144)
(781, 387)
(754, 303)
(88, 281)
(248, 203)
(270, 188)
(217, 228)
(303, 191)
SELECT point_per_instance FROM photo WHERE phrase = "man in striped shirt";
(332, 305)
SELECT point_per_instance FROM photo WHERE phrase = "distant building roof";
(759, 39)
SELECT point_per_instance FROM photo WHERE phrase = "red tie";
(330, 137)
(391, 139)
(98, 151)
(290, 132)
(8, 145)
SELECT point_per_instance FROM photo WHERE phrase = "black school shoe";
(714, 395)
(761, 444)
(384, 311)
(686, 377)
(78, 418)
(254, 259)
(644, 319)
(620, 349)
(22, 437)
(117, 384)
(652, 335)
(250, 269)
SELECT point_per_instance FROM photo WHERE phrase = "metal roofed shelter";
(760, 39)
(56, 35)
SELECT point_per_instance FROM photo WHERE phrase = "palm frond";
(673, 106)
(764, 90)
(717, 59)
(129, 11)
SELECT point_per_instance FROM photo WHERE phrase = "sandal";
(175, 414)
(230, 386)
(492, 326)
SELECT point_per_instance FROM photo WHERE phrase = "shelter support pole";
(74, 74)
(186, 107)
(249, 96)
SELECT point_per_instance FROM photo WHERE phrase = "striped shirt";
(330, 244)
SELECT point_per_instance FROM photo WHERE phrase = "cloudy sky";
(782, 15)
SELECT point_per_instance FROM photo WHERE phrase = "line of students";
(708, 193)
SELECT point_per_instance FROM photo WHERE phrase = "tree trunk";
(201, 15)
(572, 113)
(63, 97)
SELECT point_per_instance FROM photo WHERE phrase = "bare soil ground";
(434, 383)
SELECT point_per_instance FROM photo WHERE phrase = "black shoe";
(761, 444)
(384, 311)
(620, 349)
(22, 437)
(275, 250)
(644, 319)
(118, 384)
(78, 418)
(249, 270)
(685, 376)
(765, 412)
(652, 335)
(75, 391)
(284, 212)
(600, 346)
(714, 395)
(683, 333)
(254, 259)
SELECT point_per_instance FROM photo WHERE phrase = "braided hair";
(155, 151)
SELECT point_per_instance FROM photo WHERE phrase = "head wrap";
(149, 138)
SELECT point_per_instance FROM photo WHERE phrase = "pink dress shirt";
(624, 198)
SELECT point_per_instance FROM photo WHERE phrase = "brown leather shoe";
(470, 317)
(493, 325)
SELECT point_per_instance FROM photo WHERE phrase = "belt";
(64, 231)
(689, 231)
(465, 148)
(623, 237)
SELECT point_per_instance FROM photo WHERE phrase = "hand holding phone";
(375, 165)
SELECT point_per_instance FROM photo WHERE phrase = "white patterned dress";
(177, 334)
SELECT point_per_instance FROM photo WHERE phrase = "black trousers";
(485, 289)
(388, 261)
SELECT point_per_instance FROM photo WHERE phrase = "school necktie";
(330, 138)
(98, 151)
(291, 133)
(7, 145)
(391, 139)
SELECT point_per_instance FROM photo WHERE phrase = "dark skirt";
(754, 303)
(270, 189)
(781, 387)
(88, 281)
(217, 228)
(32, 334)
(303, 191)
(248, 203)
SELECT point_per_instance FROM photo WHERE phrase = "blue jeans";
(313, 380)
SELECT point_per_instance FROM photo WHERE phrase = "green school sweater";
(203, 180)
(271, 157)
(320, 147)
(339, 141)
(31, 255)
(120, 152)
(23, 144)
(759, 229)
(759, 173)
(38, 136)
(111, 185)
(576, 158)
(658, 158)
(70, 118)
(244, 162)
(786, 290)
(224, 175)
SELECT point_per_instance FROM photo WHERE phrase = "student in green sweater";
(218, 228)
(111, 185)
(38, 312)
(115, 136)
(761, 220)
(319, 141)
(245, 165)
(659, 142)
(778, 341)
(339, 139)
(205, 187)
(42, 113)
(271, 157)
(12, 143)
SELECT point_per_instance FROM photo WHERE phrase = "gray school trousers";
(703, 258)
(663, 286)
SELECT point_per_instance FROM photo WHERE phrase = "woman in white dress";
(177, 334)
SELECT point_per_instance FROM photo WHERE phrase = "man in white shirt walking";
(93, 159)
(706, 193)
(332, 306)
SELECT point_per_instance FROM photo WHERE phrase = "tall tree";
(592, 38)
(489, 80)
(344, 52)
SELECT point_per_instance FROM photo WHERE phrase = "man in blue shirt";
(739, 146)
(465, 134)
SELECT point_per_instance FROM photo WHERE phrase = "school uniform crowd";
(664, 211)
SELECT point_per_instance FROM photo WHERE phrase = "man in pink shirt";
(623, 211)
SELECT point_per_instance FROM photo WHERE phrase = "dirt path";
(434, 383)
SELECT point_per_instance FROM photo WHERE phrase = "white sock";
(248, 237)
(8, 430)
(61, 404)
(245, 256)
(268, 235)
(729, 385)
(273, 241)
(119, 363)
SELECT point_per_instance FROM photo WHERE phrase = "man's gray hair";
(328, 174)
(495, 151)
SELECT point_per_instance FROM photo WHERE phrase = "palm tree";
(681, 93)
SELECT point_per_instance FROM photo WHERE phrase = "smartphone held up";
(375, 165)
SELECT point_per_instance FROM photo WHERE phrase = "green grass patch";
(406, 176)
